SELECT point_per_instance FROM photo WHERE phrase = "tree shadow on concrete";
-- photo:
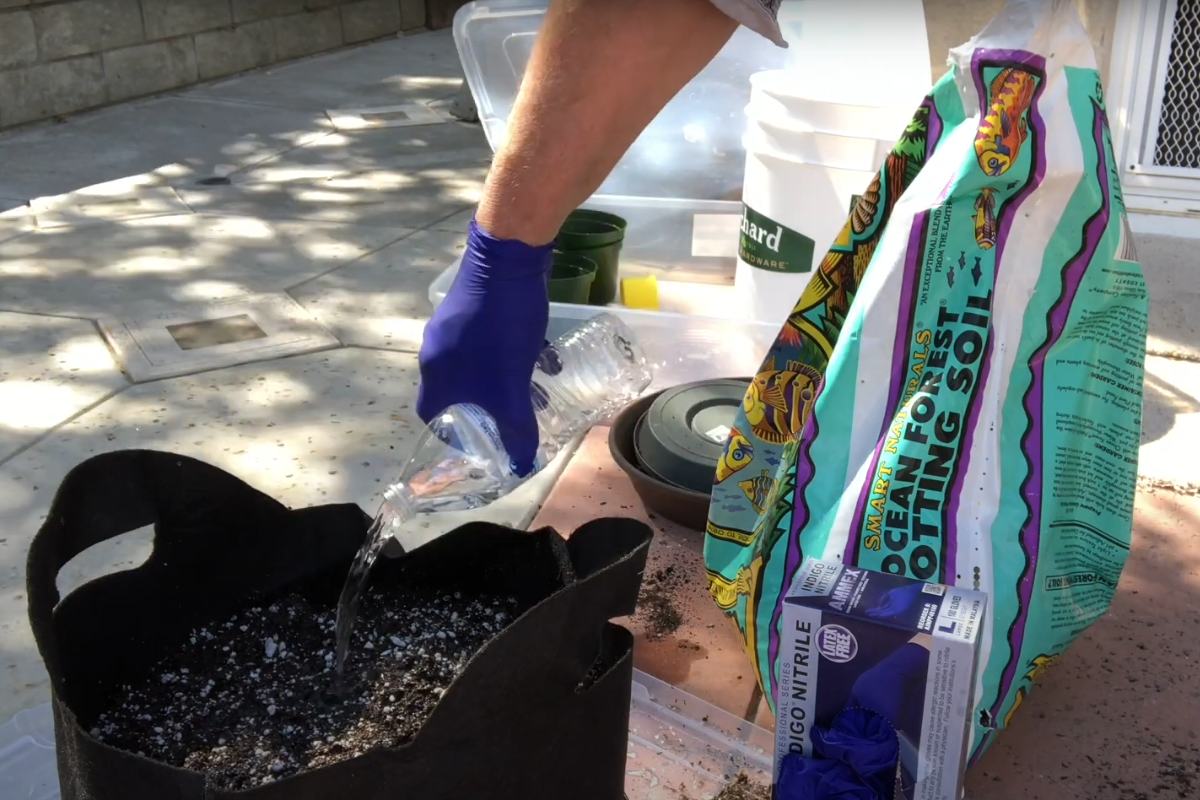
(228, 241)
(228, 125)
(105, 217)
(50, 369)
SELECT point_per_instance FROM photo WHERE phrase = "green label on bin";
(768, 245)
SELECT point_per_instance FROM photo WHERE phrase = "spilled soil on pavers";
(253, 698)
(742, 788)
(657, 607)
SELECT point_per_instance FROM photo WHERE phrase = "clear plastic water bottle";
(459, 461)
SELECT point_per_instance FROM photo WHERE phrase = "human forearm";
(601, 71)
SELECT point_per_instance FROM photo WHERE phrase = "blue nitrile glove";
(483, 340)
(865, 741)
(803, 778)
(853, 760)
(895, 687)
(896, 602)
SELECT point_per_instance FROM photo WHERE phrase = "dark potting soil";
(656, 603)
(253, 699)
(742, 788)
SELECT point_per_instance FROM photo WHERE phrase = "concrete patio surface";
(104, 217)
(114, 215)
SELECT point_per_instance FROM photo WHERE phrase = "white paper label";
(719, 434)
(716, 235)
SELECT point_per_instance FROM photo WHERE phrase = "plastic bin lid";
(683, 434)
(692, 150)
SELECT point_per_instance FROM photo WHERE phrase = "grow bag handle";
(609, 556)
(612, 550)
(186, 500)
(560, 638)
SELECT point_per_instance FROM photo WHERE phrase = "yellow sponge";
(640, 292)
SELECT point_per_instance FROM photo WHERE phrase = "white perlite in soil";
(253, 699)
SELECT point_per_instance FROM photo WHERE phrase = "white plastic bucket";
(770, 133)
(865, 111)
(805, 206)
(802, 176)
(858, 46)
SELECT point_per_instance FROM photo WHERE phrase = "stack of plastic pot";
(589, 235)
(571, 278)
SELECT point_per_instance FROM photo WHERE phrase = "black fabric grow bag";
(514, 725)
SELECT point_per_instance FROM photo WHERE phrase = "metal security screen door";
(1153, 85)
(1172, 146)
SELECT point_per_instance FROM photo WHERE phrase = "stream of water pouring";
(352, 591)
(459, 462)
(440, 477)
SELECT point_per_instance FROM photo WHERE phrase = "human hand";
(896, 602)
(483, 341)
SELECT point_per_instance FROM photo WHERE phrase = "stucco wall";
(952, 22)
(60, 56)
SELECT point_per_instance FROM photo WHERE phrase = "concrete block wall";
(62, 56)
(440, 13)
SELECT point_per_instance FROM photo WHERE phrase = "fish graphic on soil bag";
(758, 490)
(1002, 132)
(1004, 129)
(779, 400)
(985, 220)
(1037, 669)
(739, 452)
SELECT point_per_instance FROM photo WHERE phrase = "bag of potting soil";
(957, 395)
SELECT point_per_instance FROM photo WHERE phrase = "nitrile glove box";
(900, 647)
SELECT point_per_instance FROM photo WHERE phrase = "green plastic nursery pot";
(571, 278)
(600, 240)
(583, 231)
(600, 216)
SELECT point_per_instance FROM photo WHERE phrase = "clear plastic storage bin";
(685, 167)
(682, 747)
(681, 347)
(692, 150)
